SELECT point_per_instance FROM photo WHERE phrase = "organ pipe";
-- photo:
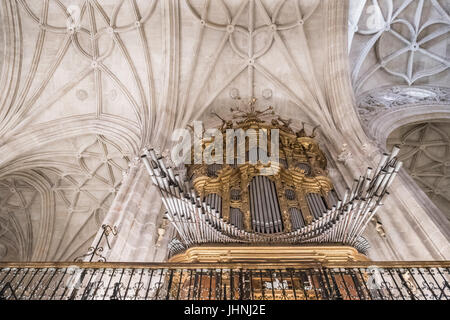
(195, 204)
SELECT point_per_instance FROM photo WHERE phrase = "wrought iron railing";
(117, 281)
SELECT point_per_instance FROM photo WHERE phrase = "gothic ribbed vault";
(85, 85)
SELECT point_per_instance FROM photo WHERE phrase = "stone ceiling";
(399, 54)
(425, 152)
(86, 84)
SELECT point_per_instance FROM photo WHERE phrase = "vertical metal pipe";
(267, 199)
(253, 206)
(253, 186)
(269, 205)
(312, 205)
(276, 206)
(262, 197)
(293, 220)
(321, 204)
(259, 204)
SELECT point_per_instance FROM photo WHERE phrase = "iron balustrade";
(153, 281)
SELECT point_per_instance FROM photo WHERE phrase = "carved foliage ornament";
(386, 99)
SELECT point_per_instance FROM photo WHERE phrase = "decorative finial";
(286, 124)
(226, 124)
(252, 115)
(302, 132)
(313, 134)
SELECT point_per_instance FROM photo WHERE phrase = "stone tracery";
(406, 34)
(82, 185)
(382, 100)
(426, 155)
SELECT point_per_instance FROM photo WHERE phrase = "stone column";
(136, 212)
(137, 208)
(411, 233)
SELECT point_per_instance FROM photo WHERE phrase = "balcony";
(225, 281)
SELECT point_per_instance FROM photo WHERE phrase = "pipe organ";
(214, 201)
(236, 218)
(264, 206)
(289, 201)
(296, 218)
(316, 204)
